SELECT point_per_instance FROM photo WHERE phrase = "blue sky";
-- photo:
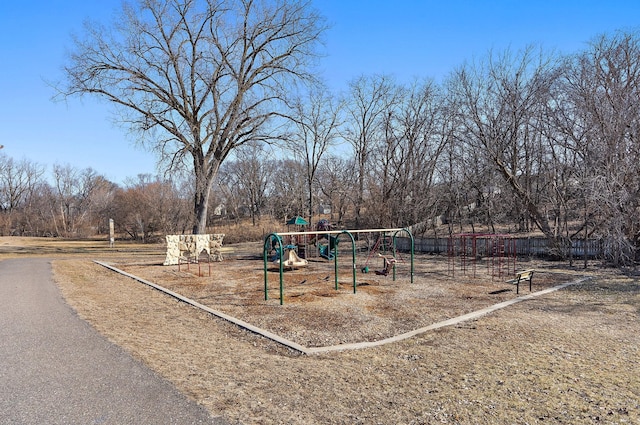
(404, 38)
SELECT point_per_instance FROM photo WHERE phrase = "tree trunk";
(201, 209)
(310, 200)
(204, 180)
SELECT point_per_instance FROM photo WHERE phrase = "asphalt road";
(56, 369)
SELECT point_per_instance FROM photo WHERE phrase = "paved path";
(56, 369)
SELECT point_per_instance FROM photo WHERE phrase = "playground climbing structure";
(469, 251)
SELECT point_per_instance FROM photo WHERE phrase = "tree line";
(526, 140)
(77, 203)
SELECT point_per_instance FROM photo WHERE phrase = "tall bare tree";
(198, 78)
(602, 91)
(369, 100)
(407, 160)
(316, 122)
(499, 102)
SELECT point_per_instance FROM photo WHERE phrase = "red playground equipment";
(467, 251)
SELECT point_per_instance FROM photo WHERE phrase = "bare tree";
(602, 124)
(316, 121)
(67, 187)
(336, 182)
(148, 206)
(407, 160)
(245, 180)
(198, 78)
(19, 181)
(287, 189)
(499, 103)
(370, 98)
(227, 189)
(79, 200)
(98, 198)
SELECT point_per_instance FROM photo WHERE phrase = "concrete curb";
(351, 346)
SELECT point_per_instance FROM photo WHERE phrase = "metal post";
(335, 258)
(474, 254)
(264, 255)
(412, 251)
(353, 258)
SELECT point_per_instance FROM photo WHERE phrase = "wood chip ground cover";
(568, 357)
(315, 314)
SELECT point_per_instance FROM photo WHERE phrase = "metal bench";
(522, 276)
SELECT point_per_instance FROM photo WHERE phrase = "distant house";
(220, 210)
(324, 209)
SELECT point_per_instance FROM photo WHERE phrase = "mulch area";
(315, 314)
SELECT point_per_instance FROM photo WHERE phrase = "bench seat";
(522, 276)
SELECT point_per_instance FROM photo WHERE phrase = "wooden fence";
(525, 247)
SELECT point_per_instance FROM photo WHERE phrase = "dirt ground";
(568, 357)
(314, 314)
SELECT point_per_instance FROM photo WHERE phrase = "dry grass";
(13, 246)
(568, 357)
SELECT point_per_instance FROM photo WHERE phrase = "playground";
(320, 305)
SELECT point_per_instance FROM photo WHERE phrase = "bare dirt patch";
(568, 357)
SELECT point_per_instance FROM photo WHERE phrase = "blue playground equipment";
(328, 250)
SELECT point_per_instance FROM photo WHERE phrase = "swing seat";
(388, 265)
(394, 259)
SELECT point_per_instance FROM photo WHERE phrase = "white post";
(112, 238)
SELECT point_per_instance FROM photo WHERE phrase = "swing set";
(333, 236)
(383, 247)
